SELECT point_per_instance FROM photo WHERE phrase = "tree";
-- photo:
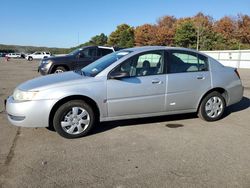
(203, 26)
(123, 36)
(165, 31)
(99, 40)
(145, 35)
(185, 35)
(244, 28)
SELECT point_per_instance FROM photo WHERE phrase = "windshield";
(99, 65)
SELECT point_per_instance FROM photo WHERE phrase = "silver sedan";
(131, 83)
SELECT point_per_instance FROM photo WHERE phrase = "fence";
(231, 58)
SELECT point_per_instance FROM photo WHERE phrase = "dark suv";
(77, 59)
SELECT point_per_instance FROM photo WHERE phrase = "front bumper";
(43, 70)
(29, 113)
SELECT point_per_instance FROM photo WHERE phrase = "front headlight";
(46, 62)
(19, 95)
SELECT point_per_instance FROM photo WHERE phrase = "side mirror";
(80, 55)
(118, 75)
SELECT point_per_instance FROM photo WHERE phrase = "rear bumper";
(235, 94)
(29, 113)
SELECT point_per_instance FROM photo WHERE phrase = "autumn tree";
(165, 30)
(244, 28)
(227, 27)
(123, 36)
(145, 35)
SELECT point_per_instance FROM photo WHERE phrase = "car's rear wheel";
(212, 107)
(74, 119)
(30, 58)
(59, 69)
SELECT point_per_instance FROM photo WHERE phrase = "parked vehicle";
(131, 83)
(38, 55)
(2, 54)
(14, 55)
(75, 60)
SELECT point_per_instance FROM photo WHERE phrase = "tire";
(212, 107)
(59, 69)
(30, 58)
(74, 119)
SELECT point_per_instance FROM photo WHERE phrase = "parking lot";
(169, 151)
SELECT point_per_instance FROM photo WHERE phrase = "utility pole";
(78, 38)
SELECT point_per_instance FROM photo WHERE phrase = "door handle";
(200, 77)
(157, 81)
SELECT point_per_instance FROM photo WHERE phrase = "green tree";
(123, 36)
(99, 40)
(185, 35)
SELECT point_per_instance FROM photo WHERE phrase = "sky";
(65, 23)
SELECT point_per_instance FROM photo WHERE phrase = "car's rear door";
(141, 93)
(188, 79)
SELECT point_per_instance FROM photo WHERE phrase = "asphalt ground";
(169, 151)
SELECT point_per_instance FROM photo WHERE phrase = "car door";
(143, 91)
(86, 56)
(37, 55)
(188, 79)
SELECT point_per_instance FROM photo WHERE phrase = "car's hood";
(53, 81)
(59, 58)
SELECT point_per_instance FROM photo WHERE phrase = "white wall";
(231, 58)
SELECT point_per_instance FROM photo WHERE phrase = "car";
(14, 55)
(38, 55)
(130, 83)
(77, 59)
(2, 54)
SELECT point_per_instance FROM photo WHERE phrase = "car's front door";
(143, 91)
(86, 56)
(38, 55)
(188, 79)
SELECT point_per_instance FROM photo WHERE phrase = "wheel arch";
(221, 90)
(53, 68)
(86, 99)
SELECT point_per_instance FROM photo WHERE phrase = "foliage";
(123, 36)
(145, 35)
(185, 35)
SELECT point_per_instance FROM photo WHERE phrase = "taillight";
(237, 73)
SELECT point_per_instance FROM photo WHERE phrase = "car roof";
(147, 48)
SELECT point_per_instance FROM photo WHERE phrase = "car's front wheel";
(212, 107)
(30, 58)
(74, 119)
(59, 69)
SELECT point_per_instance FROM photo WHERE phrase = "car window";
(146, 64)
(88, 53)
(184, 61)
(103, 51)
